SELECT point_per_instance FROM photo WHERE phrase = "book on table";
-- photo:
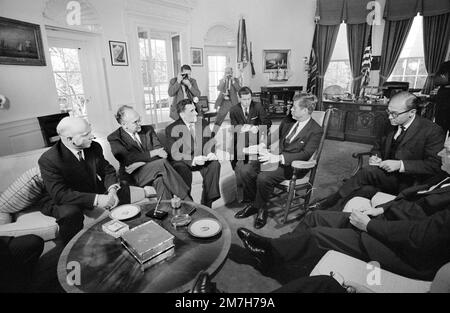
(149, 243)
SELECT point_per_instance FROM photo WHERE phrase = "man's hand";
(249, 128)
(134, 166)
(375, 160)
(211, 157)
(359, 220)
(269, 158)
(105, 201)
(113, 193)
(368, 210)
(390, 165)
(187, 82)
(179, 78)
(199, 160)
(159, 152)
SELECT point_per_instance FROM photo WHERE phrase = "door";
(217, 59)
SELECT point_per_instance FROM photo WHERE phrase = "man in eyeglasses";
(406, 154)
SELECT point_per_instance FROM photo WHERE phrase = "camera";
(184, 76)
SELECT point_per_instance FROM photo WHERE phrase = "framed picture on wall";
(196, 56)
(119, 53)
(20, 43)
(275, 59)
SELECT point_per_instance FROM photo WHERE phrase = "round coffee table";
(94, 261)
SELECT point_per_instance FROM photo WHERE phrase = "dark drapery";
(396, 10)
(324, 45)
(357, 38)
(436, 36)
(394, 37)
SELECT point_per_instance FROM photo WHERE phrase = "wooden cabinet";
(357, 122)
(276, 99)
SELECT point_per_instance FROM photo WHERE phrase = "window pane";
(339, 72)
(75, 83)
(69, 84)
(410, 66)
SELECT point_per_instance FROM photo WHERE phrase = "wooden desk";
(106, 266)
(358, 122)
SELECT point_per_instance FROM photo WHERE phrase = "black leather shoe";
(203, 284)
(261, 219)
(249, 210)
(258, 247)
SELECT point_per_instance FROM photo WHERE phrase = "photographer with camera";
(182, 87)
(228, 87)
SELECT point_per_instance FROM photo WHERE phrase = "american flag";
(311, 86)
(366, 62)
(242, 49)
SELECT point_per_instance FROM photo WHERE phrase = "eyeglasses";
(396, 114)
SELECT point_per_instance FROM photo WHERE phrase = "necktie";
(292, 133)
(136, 138)
(192, 130)
(80, 156)
(401, 135)
(246, 113)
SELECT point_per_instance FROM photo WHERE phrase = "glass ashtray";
(180, 220)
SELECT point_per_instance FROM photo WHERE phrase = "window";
(410, 66)
(339, 71)
(156, 71)
(216, 70)
(68, 79)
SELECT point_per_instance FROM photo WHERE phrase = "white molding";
(20, 136)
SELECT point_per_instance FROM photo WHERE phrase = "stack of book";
(149, 244)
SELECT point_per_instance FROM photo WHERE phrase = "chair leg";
(289, 200)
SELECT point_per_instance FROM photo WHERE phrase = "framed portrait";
(196, 56)
(20, 43)
(275, 59)
(119, 53)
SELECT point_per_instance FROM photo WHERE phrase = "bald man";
(228, 96)
(406, 154)
(143, 160)
(77, 177)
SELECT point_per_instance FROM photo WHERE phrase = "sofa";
(31, 221)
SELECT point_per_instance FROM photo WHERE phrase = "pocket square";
(254, 118)
(301, 141)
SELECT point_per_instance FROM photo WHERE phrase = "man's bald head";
(75, 132)
(71, 126)
(402, 108)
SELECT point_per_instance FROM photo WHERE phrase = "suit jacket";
(127, 151)
(68, 181)
(302, 146)
(234, 88)
(423, 244)
(176, 91)
(418, 150)
(411, 205)
(183, 147)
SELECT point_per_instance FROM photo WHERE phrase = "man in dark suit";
(406, 155)
(143, 160)
(182, 87)
(228, 88)
(18, 258)
(250, 121)
(299, 138)
(409, 235)
(77, 177)
(192, 148)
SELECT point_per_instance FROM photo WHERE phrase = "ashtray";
(180, 220)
